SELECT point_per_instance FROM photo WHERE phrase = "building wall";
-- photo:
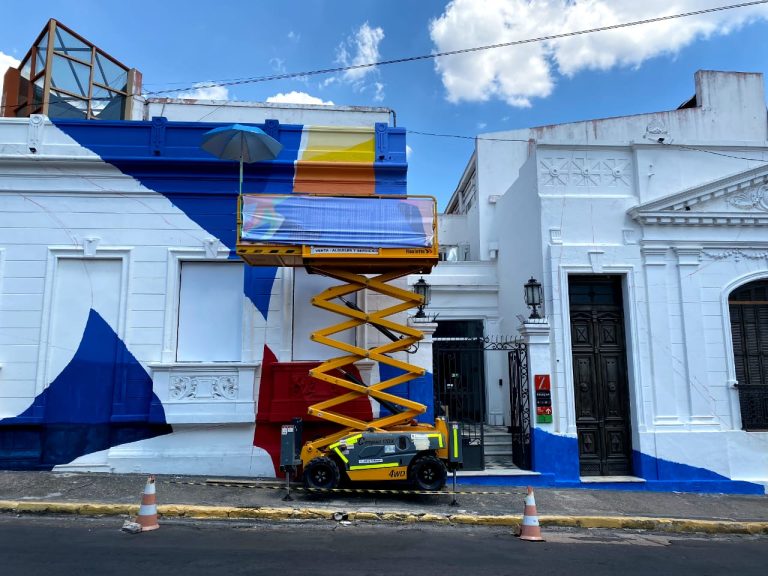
(670, 202)
(102, 222)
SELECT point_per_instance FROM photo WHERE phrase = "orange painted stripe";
(339, 178)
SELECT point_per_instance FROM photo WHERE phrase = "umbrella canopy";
(237, 142)
(240, 142)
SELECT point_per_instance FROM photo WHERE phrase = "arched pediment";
(737, 200)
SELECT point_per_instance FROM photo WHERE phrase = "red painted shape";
(286, 392)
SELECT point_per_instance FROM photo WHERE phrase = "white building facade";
(649, 235)
(132, 337)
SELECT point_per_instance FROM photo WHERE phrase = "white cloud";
(278, 65)
(379, 95)
(298, 98)
(516, 74)
(203, 91)
(361, 48)
(365, 47)
(294, 36)
(482, 125)
(408, 152)
(6, 61)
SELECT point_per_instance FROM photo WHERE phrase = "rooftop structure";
(65, 76)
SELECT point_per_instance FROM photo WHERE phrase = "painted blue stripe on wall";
(203, 187)
(418, 390)
(556, 457)
(102, 398)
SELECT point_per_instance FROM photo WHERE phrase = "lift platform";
(367, 234)
(366, 243)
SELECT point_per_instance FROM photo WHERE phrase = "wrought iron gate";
(459, 372)
(520, 406)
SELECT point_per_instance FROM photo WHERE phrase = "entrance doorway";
(459, 372)
(601, 389)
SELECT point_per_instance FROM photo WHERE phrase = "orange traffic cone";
(147, 517)
(530, 529)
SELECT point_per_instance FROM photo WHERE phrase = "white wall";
(257, 112)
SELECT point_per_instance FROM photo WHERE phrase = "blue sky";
(647, 68)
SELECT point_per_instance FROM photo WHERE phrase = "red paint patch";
(286, 392)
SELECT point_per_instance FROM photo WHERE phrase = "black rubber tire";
(427, 473)
(322, 474)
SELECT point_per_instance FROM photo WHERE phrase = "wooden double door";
(598, 346)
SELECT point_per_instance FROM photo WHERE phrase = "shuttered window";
(749, 327)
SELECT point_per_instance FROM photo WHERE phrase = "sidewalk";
(196, 497)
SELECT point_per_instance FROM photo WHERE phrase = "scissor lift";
(279, 230)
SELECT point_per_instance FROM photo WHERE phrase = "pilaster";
(700, 405)
(665, 400)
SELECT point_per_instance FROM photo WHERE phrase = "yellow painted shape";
(334, 144)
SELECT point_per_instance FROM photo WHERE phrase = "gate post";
(535, 332)
(422, 389)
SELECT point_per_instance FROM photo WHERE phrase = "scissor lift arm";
(406, 446)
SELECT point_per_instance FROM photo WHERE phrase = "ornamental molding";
(755, 198)
(203, 387)
(736, 254)
(585, 171)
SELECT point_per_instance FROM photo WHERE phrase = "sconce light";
(425, 291)
(533, 296)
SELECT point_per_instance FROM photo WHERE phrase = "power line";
(691, 148)
(334, 70)
(463, 137)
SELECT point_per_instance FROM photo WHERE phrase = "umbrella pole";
(240, 189)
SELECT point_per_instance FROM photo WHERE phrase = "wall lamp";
(425, 291)
(533, 296)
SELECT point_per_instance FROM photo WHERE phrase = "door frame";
(730, 361)
(562, 325)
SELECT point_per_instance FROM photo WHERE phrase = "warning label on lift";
(337, 250)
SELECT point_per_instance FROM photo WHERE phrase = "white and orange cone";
(530, 529)
(147, 517)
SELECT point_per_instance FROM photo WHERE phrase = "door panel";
(600, 375)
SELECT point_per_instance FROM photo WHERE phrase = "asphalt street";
(31, 545)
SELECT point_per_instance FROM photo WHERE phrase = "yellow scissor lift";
(391, 447)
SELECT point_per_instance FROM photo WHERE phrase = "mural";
(103, 396)
(101, 399)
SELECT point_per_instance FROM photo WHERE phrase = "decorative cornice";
(701, 219)
(654, 255)
(688, 255)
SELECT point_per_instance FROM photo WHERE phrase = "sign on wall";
(543, 399)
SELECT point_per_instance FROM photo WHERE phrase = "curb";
(671, 525)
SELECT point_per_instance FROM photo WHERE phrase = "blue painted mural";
(102, 398)
(166, 157)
